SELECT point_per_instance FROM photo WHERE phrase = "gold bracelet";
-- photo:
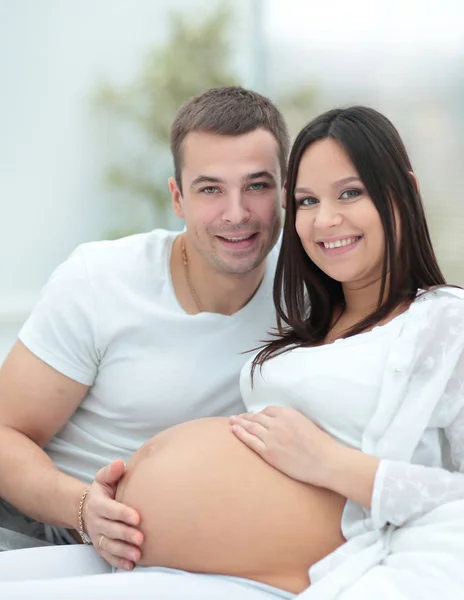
(80, 521)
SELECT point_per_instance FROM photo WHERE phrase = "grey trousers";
(18, 531)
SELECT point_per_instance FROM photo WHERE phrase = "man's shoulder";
(136, 252)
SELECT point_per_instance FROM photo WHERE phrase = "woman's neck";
(362, 300)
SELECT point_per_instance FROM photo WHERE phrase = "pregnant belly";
(208, 504)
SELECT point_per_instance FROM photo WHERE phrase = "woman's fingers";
(250, 425)
(249, 439)
(263, 419)
(272, 411)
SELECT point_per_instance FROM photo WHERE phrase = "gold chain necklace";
(193, 292)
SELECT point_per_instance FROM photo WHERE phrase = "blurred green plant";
(195, 57)
(299, 106)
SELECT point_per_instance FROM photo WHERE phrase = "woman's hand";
(293, 444)
(290, 442)
(112, 526)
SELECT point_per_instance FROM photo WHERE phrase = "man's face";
(231, 193)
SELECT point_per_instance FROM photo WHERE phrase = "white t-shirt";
(109, 318)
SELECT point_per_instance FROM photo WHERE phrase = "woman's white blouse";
(337, 385)
(396, 392)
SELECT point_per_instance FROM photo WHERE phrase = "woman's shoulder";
(437, 314)
(442, 299)
(435, 317)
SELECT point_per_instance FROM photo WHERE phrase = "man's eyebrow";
(205, 179)
(249, 177)
(260, 175)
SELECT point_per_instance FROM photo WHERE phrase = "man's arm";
(35, 402)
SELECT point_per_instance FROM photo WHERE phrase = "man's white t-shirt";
(109, 318)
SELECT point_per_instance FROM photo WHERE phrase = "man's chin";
(239, 267)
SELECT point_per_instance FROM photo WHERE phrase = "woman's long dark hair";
(378, 154)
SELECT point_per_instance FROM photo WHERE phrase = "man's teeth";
(237, 239)
(339, 243)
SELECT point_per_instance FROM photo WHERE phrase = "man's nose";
(236, 210)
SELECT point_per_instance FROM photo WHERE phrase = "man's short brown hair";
(228, 111)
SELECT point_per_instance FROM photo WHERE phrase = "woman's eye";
(306, 202)
(350, 194)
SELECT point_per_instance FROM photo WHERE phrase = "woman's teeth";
(339, 243)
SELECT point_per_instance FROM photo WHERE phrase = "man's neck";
(226, 295)
(217, 292)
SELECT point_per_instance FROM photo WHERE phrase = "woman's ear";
(284, 196)
(416, 181)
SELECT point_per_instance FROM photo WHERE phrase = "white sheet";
(139, 585)
(49, 562)
(423, 560)
(57, 572)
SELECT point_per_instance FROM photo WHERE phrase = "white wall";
(52, 196)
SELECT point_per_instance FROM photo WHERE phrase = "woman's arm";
(292, 443)
(395, 491)
(403, 491)
(353, 474)
(400, 491)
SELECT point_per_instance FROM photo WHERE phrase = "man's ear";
(416, 181)
(284, 196)
(176, 196)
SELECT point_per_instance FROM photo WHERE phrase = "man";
(136, 335)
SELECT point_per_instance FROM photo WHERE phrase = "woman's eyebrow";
(302, 190)
(335, 184)
(346, 180)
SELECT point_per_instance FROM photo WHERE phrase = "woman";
(350, 380)
(366, 405)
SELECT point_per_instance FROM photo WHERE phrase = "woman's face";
(336, 220)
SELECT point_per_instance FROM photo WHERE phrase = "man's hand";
(112, 526)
